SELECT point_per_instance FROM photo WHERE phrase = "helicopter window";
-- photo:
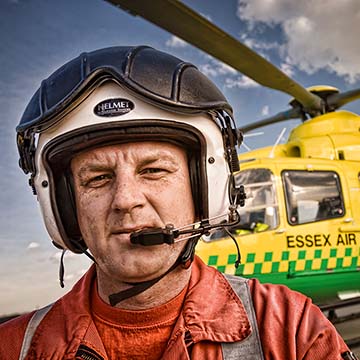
(312, 196)
(260, 212)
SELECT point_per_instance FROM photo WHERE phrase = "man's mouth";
(127, 230)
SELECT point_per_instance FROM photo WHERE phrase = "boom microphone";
(155, 236)
(168, 234)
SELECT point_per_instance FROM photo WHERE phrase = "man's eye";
(98, 180)
(153, 171)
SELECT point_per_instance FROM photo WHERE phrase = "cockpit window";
(312, 196)
(260, 212)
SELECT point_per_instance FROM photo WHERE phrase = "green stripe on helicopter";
(320, 260)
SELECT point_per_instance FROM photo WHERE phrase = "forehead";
(133, 151)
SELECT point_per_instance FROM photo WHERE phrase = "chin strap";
(185, 260)
(137, 288)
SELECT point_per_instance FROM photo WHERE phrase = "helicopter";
(300, 225)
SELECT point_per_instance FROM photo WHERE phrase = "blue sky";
(315, 42)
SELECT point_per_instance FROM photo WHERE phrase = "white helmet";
(124, 94)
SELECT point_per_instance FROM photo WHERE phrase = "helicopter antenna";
(250, 135)
(245, 146)
(271, 155)
(254, 134)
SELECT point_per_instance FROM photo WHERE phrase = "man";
(131, 153)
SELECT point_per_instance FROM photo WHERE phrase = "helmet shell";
(156, 76)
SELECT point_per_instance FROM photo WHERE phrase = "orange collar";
(209, 304)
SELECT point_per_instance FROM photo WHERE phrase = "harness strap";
(249, 348)
(31, 328)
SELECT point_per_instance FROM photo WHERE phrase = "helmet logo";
(113, 107)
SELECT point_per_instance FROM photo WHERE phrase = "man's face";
(123, 188)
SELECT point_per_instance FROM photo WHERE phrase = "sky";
(316, 42)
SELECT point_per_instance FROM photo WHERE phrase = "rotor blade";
(335, 101)
(180, 20)
(281, 116)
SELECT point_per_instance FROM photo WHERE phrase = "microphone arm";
(168, 234)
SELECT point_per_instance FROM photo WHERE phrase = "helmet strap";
(138, 288)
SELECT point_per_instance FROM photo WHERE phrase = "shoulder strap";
(249, 348)
(31, 328)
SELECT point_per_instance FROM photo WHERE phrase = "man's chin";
(133, 272)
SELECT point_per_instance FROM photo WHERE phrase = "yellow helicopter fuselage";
(301, 222)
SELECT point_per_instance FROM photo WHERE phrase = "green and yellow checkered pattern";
(288, 261)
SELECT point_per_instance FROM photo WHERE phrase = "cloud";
(257, 44)
(287, 68)
(225, 69)
(260, 47)
(240, 82)
(81, 272)
(215, 68)
(265, 110)
(33, 245)
(55, 257)
(175, 42)
(318, 34)
(208, 70)
(68, 277)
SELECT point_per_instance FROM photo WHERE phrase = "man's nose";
(127, 194)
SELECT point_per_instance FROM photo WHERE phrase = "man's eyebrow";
(158, 157)
(89, 168)
(147, 160)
